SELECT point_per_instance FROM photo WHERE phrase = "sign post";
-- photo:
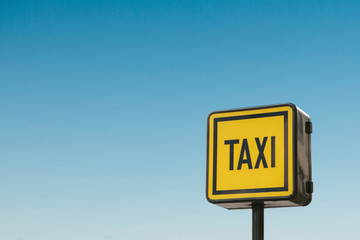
(258, 221)
(258, 158)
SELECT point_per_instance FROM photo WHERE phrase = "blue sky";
(104, 108)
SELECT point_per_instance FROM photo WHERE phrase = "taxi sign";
(259, 154)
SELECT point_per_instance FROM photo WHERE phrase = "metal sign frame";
(301, 158)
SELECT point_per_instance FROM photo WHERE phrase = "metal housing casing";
(297, 189)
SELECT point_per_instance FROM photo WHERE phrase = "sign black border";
(286, 143)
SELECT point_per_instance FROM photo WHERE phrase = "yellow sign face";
(250, 154)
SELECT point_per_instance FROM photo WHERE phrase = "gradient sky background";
(104, 107)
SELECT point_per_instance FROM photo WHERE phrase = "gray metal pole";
(258, 221)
